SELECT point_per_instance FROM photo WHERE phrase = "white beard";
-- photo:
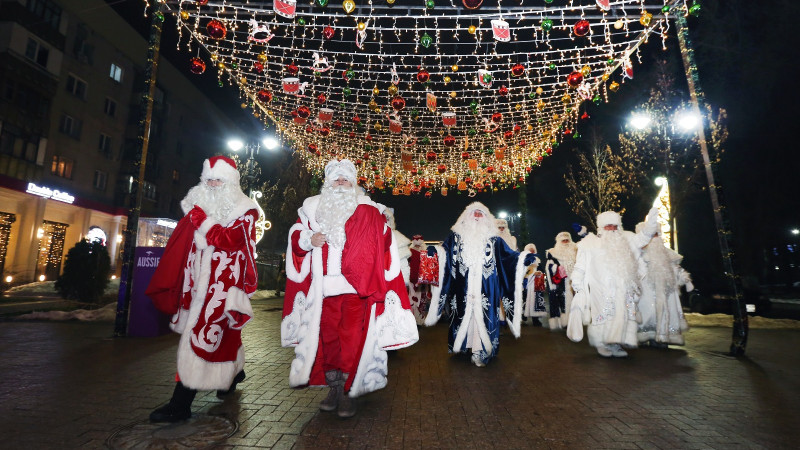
(336, 205)
(217, 202)
(475, 235)
(418, 245)
(565, 254)
(620, 259)
(659, 262)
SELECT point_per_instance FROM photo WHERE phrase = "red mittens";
(197, 216)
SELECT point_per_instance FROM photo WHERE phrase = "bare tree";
(601, 180)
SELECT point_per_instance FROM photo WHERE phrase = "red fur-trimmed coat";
(219, 278)
(369, 266)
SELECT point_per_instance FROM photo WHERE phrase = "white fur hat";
(501, 223)
(530, 248)
(609, 218)
(220, 168)
(563, 235)
(336, 169)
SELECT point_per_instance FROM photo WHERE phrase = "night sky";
(745, 66)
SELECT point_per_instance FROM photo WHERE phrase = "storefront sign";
(54, 194)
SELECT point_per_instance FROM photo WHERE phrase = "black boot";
(179, 406)
(334, 380)
(348, 406)
(236, 380)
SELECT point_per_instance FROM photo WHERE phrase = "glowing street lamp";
(795, 231)
(640, 121)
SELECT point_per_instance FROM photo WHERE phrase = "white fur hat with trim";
(609, 218)
(336, 169)
(220, 168)
(563, 235)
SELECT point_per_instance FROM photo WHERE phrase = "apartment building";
(71, 83)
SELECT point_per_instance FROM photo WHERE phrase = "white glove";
(689, 286)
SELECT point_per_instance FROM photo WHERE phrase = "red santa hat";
(220, 168)
(416, 237)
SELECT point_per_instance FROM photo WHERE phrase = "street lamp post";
(740, 324)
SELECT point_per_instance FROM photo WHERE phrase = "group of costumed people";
(357, 288)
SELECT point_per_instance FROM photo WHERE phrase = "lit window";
(62, 167)
(115, 73)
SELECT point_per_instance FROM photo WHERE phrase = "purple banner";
(144, 319)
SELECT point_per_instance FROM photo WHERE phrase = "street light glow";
(640, 121)
(687, 121)
(235, 144)
(270, 143)
(502, 215)
(795, 231)
(660, 181)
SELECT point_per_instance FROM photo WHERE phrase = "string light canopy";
(423, 95)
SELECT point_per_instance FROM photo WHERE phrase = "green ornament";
(596, 99)
(554, 144)
(610, 61)
(551, 66)
(547, 25)
(414, 114)
(694, 10)
(342, 105)
(160, 16)
(473, 104)
(301, 21)
(665, 9)
(349, 74)
(430, 4)
(483, 165)
(488, 150)
(532, 95)
(426, 140)
(426, 40)
(472, 132)
(317, 73)
(220, 83)
(234, 66)
(487, 77)
(539, 120)
(576, 136)
(367, 147)
(346, 92)
(548, 1)
(569, 109)
(322, 3)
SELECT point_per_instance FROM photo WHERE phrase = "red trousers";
(341, 331)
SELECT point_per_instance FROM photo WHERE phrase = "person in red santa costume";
(210, 261)
(346, 301)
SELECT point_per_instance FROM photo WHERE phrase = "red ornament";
(328, 32)
(517, 128)
(528, 169)
(398, 103)
(490, 169)
(508, 134)
(414, 170)
(216, 30)
(322, 98)
(337, 125)
(423, 76)
(292, 69)
(511, 164)
(472, 4)
(517, 70)
(497, 117)
(356, 120)
(523, 143)
(293, 114)
(309, 130)
(549, 150)
(351, 135)
(441, 168)
(258, 67)
(303, 112)
(581, 28)
(368, 137)
(362, 179)
(325, 131)
(264, 96)
(449, 141)
(464, 155)
(201, 2)
(574, 79)
(585, 116)
(567, 131)
(503, 90)
(428, 194)
(312, 147)
(197, 66)
(366, 156)
(431, 156)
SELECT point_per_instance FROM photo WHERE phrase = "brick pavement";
(70, 385)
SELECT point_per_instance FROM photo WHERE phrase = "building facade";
(71, 83)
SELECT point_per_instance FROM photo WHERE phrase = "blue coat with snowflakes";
(471, 297)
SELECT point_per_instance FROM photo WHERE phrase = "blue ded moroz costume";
(478, 275)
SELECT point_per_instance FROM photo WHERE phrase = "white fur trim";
(307, 325)
(304, 240)
(433, 310)
(205, 226)
(238, 301)
(515, 324)
(221, 171)
(396, 327)
(305, 267)
(336, 285)
(394, 267)
(200, 240)
(373, 366)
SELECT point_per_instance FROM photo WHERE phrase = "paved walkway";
(71, 385)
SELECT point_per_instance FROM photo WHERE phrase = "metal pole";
(132, 226)
(740, 325)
